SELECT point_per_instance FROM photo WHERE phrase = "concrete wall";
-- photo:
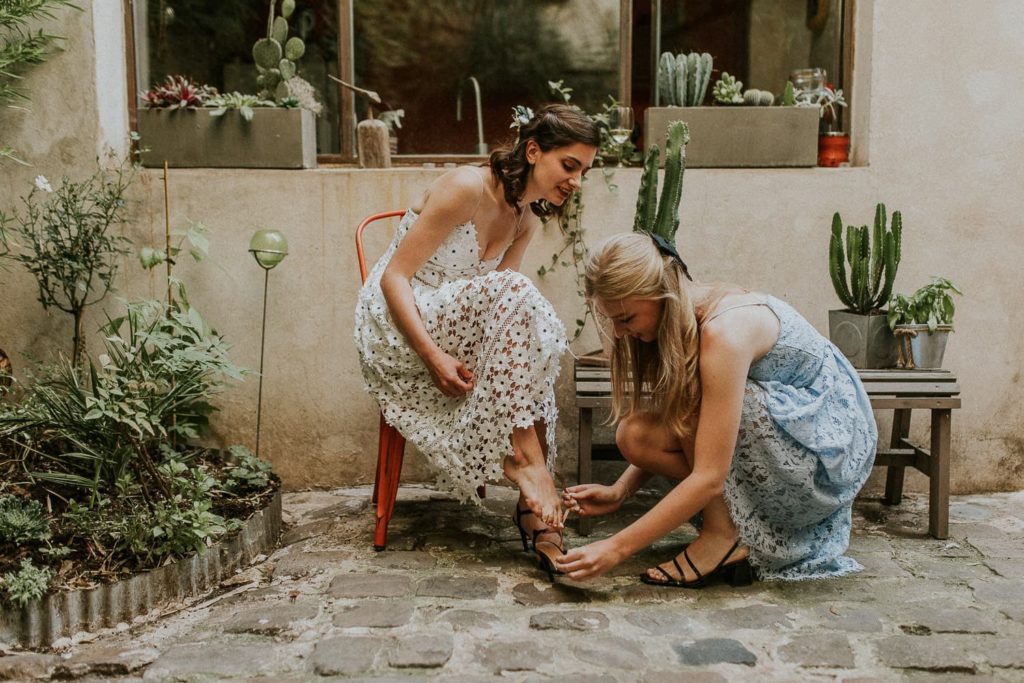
(935, 125)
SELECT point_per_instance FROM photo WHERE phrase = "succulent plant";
(683, 78)
(275, 56)
(660, 217)
(789, 95)
(758, 98)
(873, 262)
(178, 92)
(728, 90)
(236, 100)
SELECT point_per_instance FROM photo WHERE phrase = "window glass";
(420, 56)
(760, 42)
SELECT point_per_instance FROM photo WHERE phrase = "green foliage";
(21, 47)
(247, 474)
(873, 261)
(65, 239)
(194, 234)
(661, 217)
(789, 95)
(728, 90)
(931, 305)
(27, 584)
(243, 104)
(153, 387)
(22, 520)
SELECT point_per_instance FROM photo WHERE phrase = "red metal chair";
(391, 444)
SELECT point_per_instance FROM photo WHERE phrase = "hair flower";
(520, 116)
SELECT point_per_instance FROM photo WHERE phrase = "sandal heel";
(740, 574)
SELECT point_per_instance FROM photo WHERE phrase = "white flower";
(43, 184)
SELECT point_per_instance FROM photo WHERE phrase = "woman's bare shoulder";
(455, 195)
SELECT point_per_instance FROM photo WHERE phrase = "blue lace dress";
(806, 445)
(503, 330)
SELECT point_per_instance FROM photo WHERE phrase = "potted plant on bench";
(861, 330)
(922, 323)
(190, 125)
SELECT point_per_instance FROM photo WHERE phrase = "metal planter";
(865, 340)
(919, 348)
(191, 138)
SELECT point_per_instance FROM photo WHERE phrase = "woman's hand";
(593, 500)
(590, 561)
(450, 375)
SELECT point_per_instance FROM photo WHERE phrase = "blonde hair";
(627, 266)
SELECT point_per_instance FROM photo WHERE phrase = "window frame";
(346, 65)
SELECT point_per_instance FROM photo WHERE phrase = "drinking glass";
(621, 127)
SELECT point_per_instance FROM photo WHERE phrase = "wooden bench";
(898, 390)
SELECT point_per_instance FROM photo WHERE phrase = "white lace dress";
(501, 328)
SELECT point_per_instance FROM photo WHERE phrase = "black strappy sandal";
(543, 560)
(739, 573)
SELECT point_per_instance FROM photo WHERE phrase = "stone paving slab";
(455, 598)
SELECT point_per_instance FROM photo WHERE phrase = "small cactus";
(873, 261)
(789, 95)
(661, 217)
(758, 98)
(275, 55)
(683, 78)
(728, 90)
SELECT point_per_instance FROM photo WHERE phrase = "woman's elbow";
(709, 488)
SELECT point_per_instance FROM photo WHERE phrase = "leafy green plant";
(21, 47)
(22, 520)
(27, 584)
(247, 473)
(931, 305)
(235, 101)
(873, 261)
(65, 239)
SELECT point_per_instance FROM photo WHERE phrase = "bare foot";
(705, 553)
(537, 491)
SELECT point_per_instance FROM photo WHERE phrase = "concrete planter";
(919, 348)
(865, 339)
(64, 614)
(191, 138)
(740, 136)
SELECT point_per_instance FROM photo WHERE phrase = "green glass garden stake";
(268, 247)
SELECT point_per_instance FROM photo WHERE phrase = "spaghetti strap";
(729, 308)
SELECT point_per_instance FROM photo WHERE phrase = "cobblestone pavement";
(455, 598)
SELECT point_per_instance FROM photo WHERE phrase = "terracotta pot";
(833, 149)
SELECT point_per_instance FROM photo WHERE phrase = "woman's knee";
(633, 436)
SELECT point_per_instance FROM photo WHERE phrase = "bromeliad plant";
(178, 92)
(873, 260)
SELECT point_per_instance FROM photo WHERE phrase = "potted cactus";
(861, 330)
(922, 323)
(751, 134)
(189, 125)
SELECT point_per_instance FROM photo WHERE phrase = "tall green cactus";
(275, 55)
(683, 79)
(873, 261)
(661, 217)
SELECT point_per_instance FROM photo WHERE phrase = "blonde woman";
(762, 421)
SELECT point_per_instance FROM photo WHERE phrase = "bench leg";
(938, 476)
(894, 473)
(584, 473)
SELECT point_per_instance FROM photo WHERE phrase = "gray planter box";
(865, 339)
(191, 138)
(740, 136)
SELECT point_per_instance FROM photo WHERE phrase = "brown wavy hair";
(662, 375)
(553, 126)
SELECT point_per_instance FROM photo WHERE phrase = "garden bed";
(96, 605)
